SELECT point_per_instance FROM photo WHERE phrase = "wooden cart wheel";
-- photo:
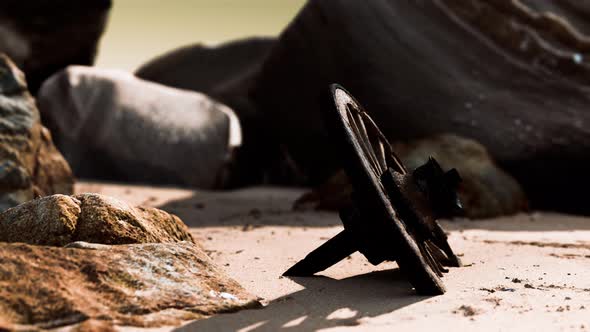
(367, 156)
(393, 215)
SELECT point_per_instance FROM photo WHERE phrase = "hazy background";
(139, 30)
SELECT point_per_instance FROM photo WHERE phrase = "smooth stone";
(114, 126)
(227, 72)
(424, 68)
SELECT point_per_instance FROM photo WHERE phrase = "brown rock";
(486, 190)
(30, 165)
(44, 36)
(58, 220)
(145, 285)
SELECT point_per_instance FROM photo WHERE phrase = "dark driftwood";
(500, 72)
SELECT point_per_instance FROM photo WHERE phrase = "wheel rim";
(422, 258)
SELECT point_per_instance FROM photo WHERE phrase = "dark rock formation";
(143, 285)
(30, 165)
(58, 220)
(44, 36)
(207, 69)
(111, 125)
(500, 72)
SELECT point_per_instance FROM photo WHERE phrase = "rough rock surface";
(486, 190)
(30, 165)
(112, 125)
(143, 285)
(59, 220)
(433, 67)
(43, 36)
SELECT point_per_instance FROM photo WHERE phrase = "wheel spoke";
(363, 140)
(438, 255)
(381, 154)
(392, 159)
(429, 259)
(368, 143)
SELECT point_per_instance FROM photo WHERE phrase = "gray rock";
(30, 165)
(113, 125)
(227, 73)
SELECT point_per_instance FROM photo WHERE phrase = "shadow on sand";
(273, 207)
(262, 206)
(324, 303)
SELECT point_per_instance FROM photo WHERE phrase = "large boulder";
(58, 220)
(44, 36)
(111, 125)
(504, 73)
(30, 165)
(95, 262)
(486, 191)
(227, 73)
(143, 285)
(207, 69)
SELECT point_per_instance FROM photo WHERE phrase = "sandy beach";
(526, 273)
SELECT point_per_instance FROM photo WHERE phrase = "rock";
(505, 74)
(59, 220)
(30, 165)
(486, 190)
(227, 73)
(141, 285)
(207, 69)
(44, 36)
(112, 125)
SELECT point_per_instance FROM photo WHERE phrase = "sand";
(526, 272)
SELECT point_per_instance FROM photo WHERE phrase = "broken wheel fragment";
(394, 213)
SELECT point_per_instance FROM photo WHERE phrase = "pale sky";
(139, 30)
